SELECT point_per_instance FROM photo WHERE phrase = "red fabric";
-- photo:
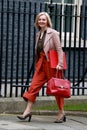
(42, 74)
(53, 56)
(60, 87)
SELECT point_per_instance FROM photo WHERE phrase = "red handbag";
(58, 87)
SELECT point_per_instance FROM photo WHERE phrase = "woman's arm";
(57, 44)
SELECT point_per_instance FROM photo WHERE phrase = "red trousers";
(42, 74)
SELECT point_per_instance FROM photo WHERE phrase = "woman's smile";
(42, 22)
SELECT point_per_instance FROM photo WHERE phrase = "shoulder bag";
(58, 87)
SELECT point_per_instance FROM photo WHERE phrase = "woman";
(46, 39)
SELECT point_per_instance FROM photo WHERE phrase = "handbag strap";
(58, 75)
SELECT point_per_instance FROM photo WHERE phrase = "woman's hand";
(59, 67)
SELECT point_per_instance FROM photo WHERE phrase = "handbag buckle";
(61, 86)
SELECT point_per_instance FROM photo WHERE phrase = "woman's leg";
(60, 104)
(28, 108)
(60, 101)
(61, 115)
(38, 81)
(30, 96)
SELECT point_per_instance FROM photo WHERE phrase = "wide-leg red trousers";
(42, 74)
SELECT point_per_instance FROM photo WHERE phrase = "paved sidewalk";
(39, 122)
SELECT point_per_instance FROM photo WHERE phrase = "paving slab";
(8, 125)
(40, 122)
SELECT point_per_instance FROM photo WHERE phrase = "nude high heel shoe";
(61, 120)
(25, 117)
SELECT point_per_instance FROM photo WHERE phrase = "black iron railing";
(17, 44)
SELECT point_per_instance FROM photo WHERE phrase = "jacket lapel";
(48, 36)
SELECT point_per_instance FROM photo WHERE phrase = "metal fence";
(17, 42)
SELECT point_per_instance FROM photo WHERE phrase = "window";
(62, 1)
(68, 8)
(69, 1)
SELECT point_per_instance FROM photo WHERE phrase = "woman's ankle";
(61, 112)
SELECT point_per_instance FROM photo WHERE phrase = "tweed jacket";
(52, 42)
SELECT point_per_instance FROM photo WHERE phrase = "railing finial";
(51, 6)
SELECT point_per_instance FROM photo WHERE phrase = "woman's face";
(42, 21)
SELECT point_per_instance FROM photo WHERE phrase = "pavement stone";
(39, 122)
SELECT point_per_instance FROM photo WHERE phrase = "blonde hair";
(49, 23)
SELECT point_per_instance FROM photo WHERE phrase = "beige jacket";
(52, 42)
